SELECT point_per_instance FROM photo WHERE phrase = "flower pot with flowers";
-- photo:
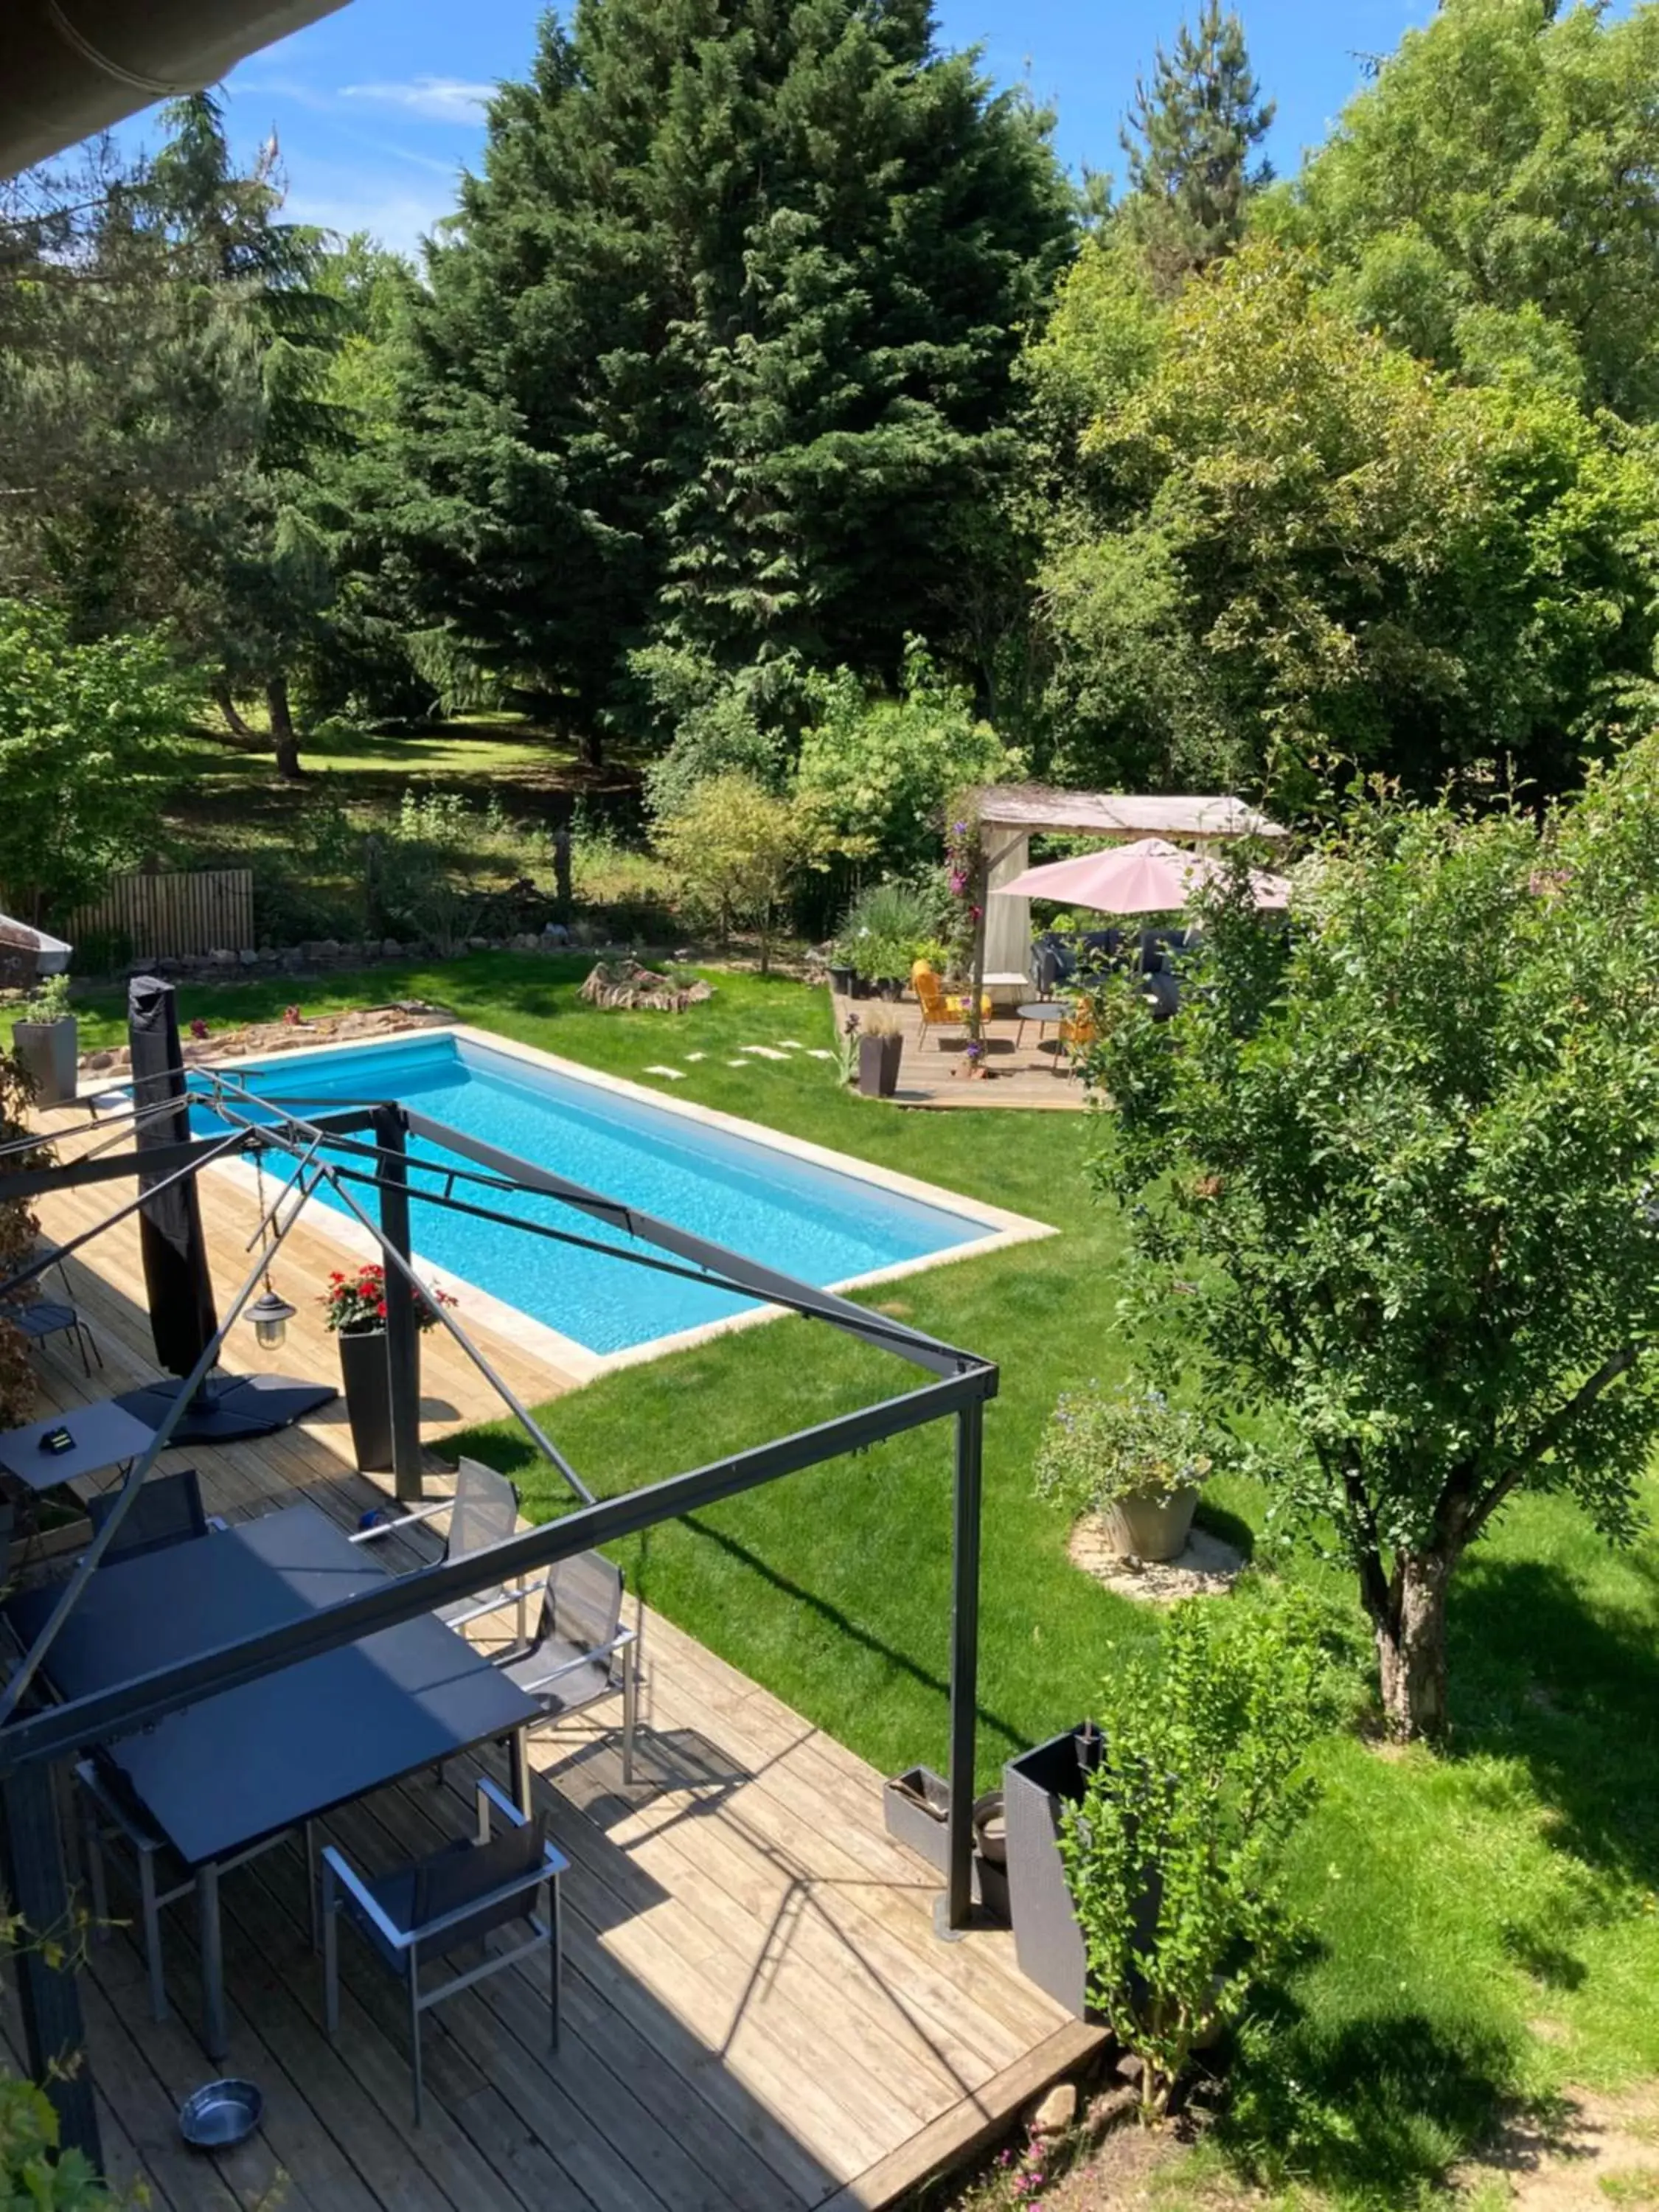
(1135, 1462)
(354, 1308)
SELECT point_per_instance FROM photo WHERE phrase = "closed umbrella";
(1148, 876)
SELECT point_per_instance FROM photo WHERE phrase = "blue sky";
(376, 107)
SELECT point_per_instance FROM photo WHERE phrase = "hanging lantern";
(270, 1316)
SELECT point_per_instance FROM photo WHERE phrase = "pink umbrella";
(1148, 876)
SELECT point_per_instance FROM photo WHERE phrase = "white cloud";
(337, 199)
(437, 99)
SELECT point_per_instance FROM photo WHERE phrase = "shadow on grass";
(1542, 1675)
(1374, 2110)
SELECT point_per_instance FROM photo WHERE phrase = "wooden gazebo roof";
(1177, 815)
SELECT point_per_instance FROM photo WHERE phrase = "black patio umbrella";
(183, 1317)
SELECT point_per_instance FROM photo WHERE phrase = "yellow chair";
(940, 1009)
(1079, 1031)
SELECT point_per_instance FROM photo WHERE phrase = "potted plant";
(841, 971)
(1136, 1460)
(881, 1045)
(45, 1038)
(354, 1308)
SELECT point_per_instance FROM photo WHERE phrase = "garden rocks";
(625, 983)
(1208, 1568)
(258, 1039)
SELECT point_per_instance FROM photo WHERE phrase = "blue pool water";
(822, 1225)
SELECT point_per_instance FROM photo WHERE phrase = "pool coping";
(1004, 1229)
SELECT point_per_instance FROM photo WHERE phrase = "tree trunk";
(1411, 1647)
(284, 741)
(561, 869)
(232, 713)
(593, 746)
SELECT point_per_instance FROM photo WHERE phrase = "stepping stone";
(820, 1051)
(763, 1051)
(674, 1074)
(697, 1055)
(740, 1063)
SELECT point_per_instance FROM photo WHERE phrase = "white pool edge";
(1004, 1229)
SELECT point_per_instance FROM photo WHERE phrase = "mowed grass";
(1479, 1926)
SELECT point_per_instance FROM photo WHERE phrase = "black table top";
(103, 1435)
(254, 1760)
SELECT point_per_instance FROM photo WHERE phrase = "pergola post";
(49, 1998)
(964, 1667)
(403, 1337)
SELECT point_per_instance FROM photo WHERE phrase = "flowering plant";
(293, 1016)
(198, 1028)
(355, 1304)
(1097, 1450)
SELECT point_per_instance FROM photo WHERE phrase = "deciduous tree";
(1393, 1180)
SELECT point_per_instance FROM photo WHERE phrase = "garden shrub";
(1175, 1854)
(1098, 1448)
(891, 924)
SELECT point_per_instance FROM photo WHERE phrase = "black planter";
(878, 1065)
(367, 1373)
(48, 1051)
(862, 988)
(842, 980)
(890, 988)
(1047, 1941)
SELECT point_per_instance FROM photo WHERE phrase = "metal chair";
(108, 1815)
(431, 1908)
(51, 1317)
(166, 1511)
(483, 1512)
(579, 1640)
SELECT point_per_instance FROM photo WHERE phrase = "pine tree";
(1190, 136)
(718, 352)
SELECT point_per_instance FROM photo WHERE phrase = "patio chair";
(109, 1816)
(1079, 1031)
(483, 1512)
(47, 1317)
(166, 1511)
(430, 1907)
(941, 1009)
(581, 1652)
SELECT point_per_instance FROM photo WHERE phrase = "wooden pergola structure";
(1010, 813)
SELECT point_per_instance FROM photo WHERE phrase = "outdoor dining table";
(101, 1436)
(257, 1762)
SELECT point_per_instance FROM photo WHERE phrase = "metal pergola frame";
(366, 1146)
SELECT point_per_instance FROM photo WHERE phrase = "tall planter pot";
(878, 1065)
(49, 1051)
(1047, 1941)
(366, 1372)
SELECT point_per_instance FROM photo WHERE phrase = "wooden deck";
(758, 2015)
(1030, 1072)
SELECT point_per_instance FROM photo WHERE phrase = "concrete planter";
(49, 1051)
(1153, 1528)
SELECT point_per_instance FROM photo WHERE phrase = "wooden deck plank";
(758, 2016)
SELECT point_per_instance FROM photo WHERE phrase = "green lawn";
(1479, 1926)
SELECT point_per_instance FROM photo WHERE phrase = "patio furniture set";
(188, 1799)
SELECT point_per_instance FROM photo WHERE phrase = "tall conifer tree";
(717, 353)
(1191, 134)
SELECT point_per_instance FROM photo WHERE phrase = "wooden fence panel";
(174, 917)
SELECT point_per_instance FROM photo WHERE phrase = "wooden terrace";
(1027, 1069)
(758, 2015)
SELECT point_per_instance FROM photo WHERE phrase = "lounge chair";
(941, 1009)
(429, 1908)
(581, 1652)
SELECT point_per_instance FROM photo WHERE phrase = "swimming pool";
(820, 1217)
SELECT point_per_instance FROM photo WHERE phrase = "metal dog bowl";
(220, 2113)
